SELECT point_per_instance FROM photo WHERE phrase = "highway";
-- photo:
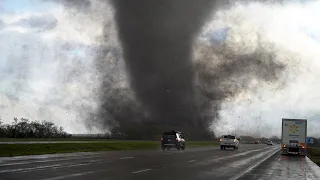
(249, 162)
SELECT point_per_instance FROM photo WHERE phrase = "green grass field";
(37, 149)
(51, 139)
(314, 154)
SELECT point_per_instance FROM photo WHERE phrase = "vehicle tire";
(183, 146)
(221, 147)
(163, 148)
(234, 148)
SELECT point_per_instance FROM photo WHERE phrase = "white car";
(270, 143)
(229, 141)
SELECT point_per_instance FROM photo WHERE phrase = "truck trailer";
(294, 136)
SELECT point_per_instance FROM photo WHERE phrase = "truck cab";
(229, 141)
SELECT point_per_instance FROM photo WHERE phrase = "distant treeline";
(24, 128)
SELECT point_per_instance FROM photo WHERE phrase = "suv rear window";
(169, 133)
(229, 137)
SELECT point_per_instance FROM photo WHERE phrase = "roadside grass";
(53, 148)
(314, 154)
(52, 139)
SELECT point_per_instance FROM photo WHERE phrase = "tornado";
(157, 39)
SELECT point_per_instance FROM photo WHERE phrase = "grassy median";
(51, 139)
(314, 154)
(37, 149)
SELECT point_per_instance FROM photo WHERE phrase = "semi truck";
(294, 136)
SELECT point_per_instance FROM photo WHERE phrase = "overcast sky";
(47, 51)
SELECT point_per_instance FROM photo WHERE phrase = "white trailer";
(294, 136)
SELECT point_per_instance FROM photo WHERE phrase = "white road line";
(73, 175)
(55, 166)
(144, 170)
(29, 169)
(314, 169)
(73, 165)
(255, 165)
(192, 161)
(43, 161)
(126, 158)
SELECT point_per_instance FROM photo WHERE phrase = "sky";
(47, 53)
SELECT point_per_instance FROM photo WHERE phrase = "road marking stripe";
(73, 175)
(255, 165)
(55, 166)
(126, 158)
(144, 170)
(192, 161)
(43, 161)
(26, 169)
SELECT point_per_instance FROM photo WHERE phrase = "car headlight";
(234, 140)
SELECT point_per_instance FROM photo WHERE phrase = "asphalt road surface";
(196, 163)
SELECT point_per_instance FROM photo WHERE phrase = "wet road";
(280, 167)
(197, 163)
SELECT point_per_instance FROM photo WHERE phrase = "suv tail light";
(161, 139)
(177, 139)
(283, 146)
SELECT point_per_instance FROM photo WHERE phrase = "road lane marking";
(26, 169)
(314, 169)
(255, 165)
(43, 161)
(144, 170)
(73, 175)
(55, 166)
(126, 158)
(192, 161)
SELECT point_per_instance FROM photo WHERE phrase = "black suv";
(172, 139)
